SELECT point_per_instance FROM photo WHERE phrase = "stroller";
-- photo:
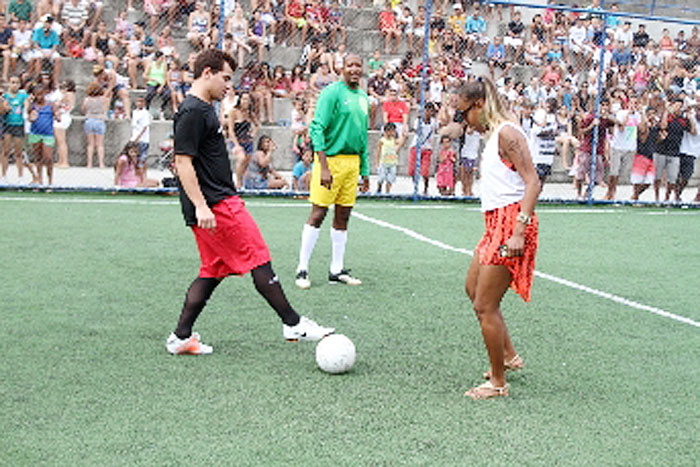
(166, 160)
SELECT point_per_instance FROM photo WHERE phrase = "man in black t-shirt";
(227, 237)
(513, 40)
(640, 39)
(376, 88)
(643, 173)
(667, 157)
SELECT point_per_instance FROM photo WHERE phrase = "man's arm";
(189, 182)
(692, 115)
(322, 117)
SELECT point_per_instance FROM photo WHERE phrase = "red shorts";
(425, 156)
(499, 228)
(235, 246)
(643, 170)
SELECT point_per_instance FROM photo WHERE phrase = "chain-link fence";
(115, 71)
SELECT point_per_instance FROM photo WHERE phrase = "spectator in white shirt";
(624, 34)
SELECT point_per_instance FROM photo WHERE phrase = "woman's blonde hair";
(495, 111)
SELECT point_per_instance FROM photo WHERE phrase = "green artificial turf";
(92, 286)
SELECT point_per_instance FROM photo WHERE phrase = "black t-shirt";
(378, 85)
(5, 35)
(640, 39)
(437, 22)
(199, 134)
(516, 28)
(670, 146)
(647, 147)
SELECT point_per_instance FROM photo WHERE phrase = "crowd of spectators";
(547, 70)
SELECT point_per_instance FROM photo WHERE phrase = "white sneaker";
(306, 330)
(302, 280)
(343, 277)
(190, 346)
(3, 181)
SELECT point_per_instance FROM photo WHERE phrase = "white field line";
(565, 282)
(410, 233)
(47, 200)
(305, 204)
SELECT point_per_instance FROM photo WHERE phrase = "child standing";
(41, 136)
(387, 156)
(428, 129)
(18, 103)
(446, 167)
(141, 120)
(468, 157)
(301, 173)
(544, 146)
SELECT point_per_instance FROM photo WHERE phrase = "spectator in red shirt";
(315, 20)
(294, 13)
(395, 110)
(281, 84)
(389, 28)
(584, 156)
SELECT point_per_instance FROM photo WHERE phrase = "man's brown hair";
(213, 59)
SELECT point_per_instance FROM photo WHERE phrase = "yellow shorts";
(345, 169)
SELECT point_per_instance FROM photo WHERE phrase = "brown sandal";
(514, 364)
(487, 391)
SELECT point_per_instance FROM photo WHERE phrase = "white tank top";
(500, 185)
(690, 144)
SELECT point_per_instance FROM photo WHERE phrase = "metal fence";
(576, 79)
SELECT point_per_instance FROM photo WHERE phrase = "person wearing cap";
(458, 19)
(46, 42)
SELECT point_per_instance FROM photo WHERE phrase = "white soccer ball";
(335, 354)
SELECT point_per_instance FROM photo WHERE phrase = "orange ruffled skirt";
(499, 228)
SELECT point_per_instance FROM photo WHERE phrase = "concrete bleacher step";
(78, 70)
(360, 18)
(119, 131)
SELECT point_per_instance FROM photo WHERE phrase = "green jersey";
(21, 10)
(340, 123)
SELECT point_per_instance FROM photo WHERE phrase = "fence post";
(423, 85)
(222, 24)
(594, 139)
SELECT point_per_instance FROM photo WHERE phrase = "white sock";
(338, 240)
(309, 235)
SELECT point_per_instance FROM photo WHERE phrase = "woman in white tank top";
(505, 256)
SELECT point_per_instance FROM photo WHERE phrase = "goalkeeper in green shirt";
(339, 137)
